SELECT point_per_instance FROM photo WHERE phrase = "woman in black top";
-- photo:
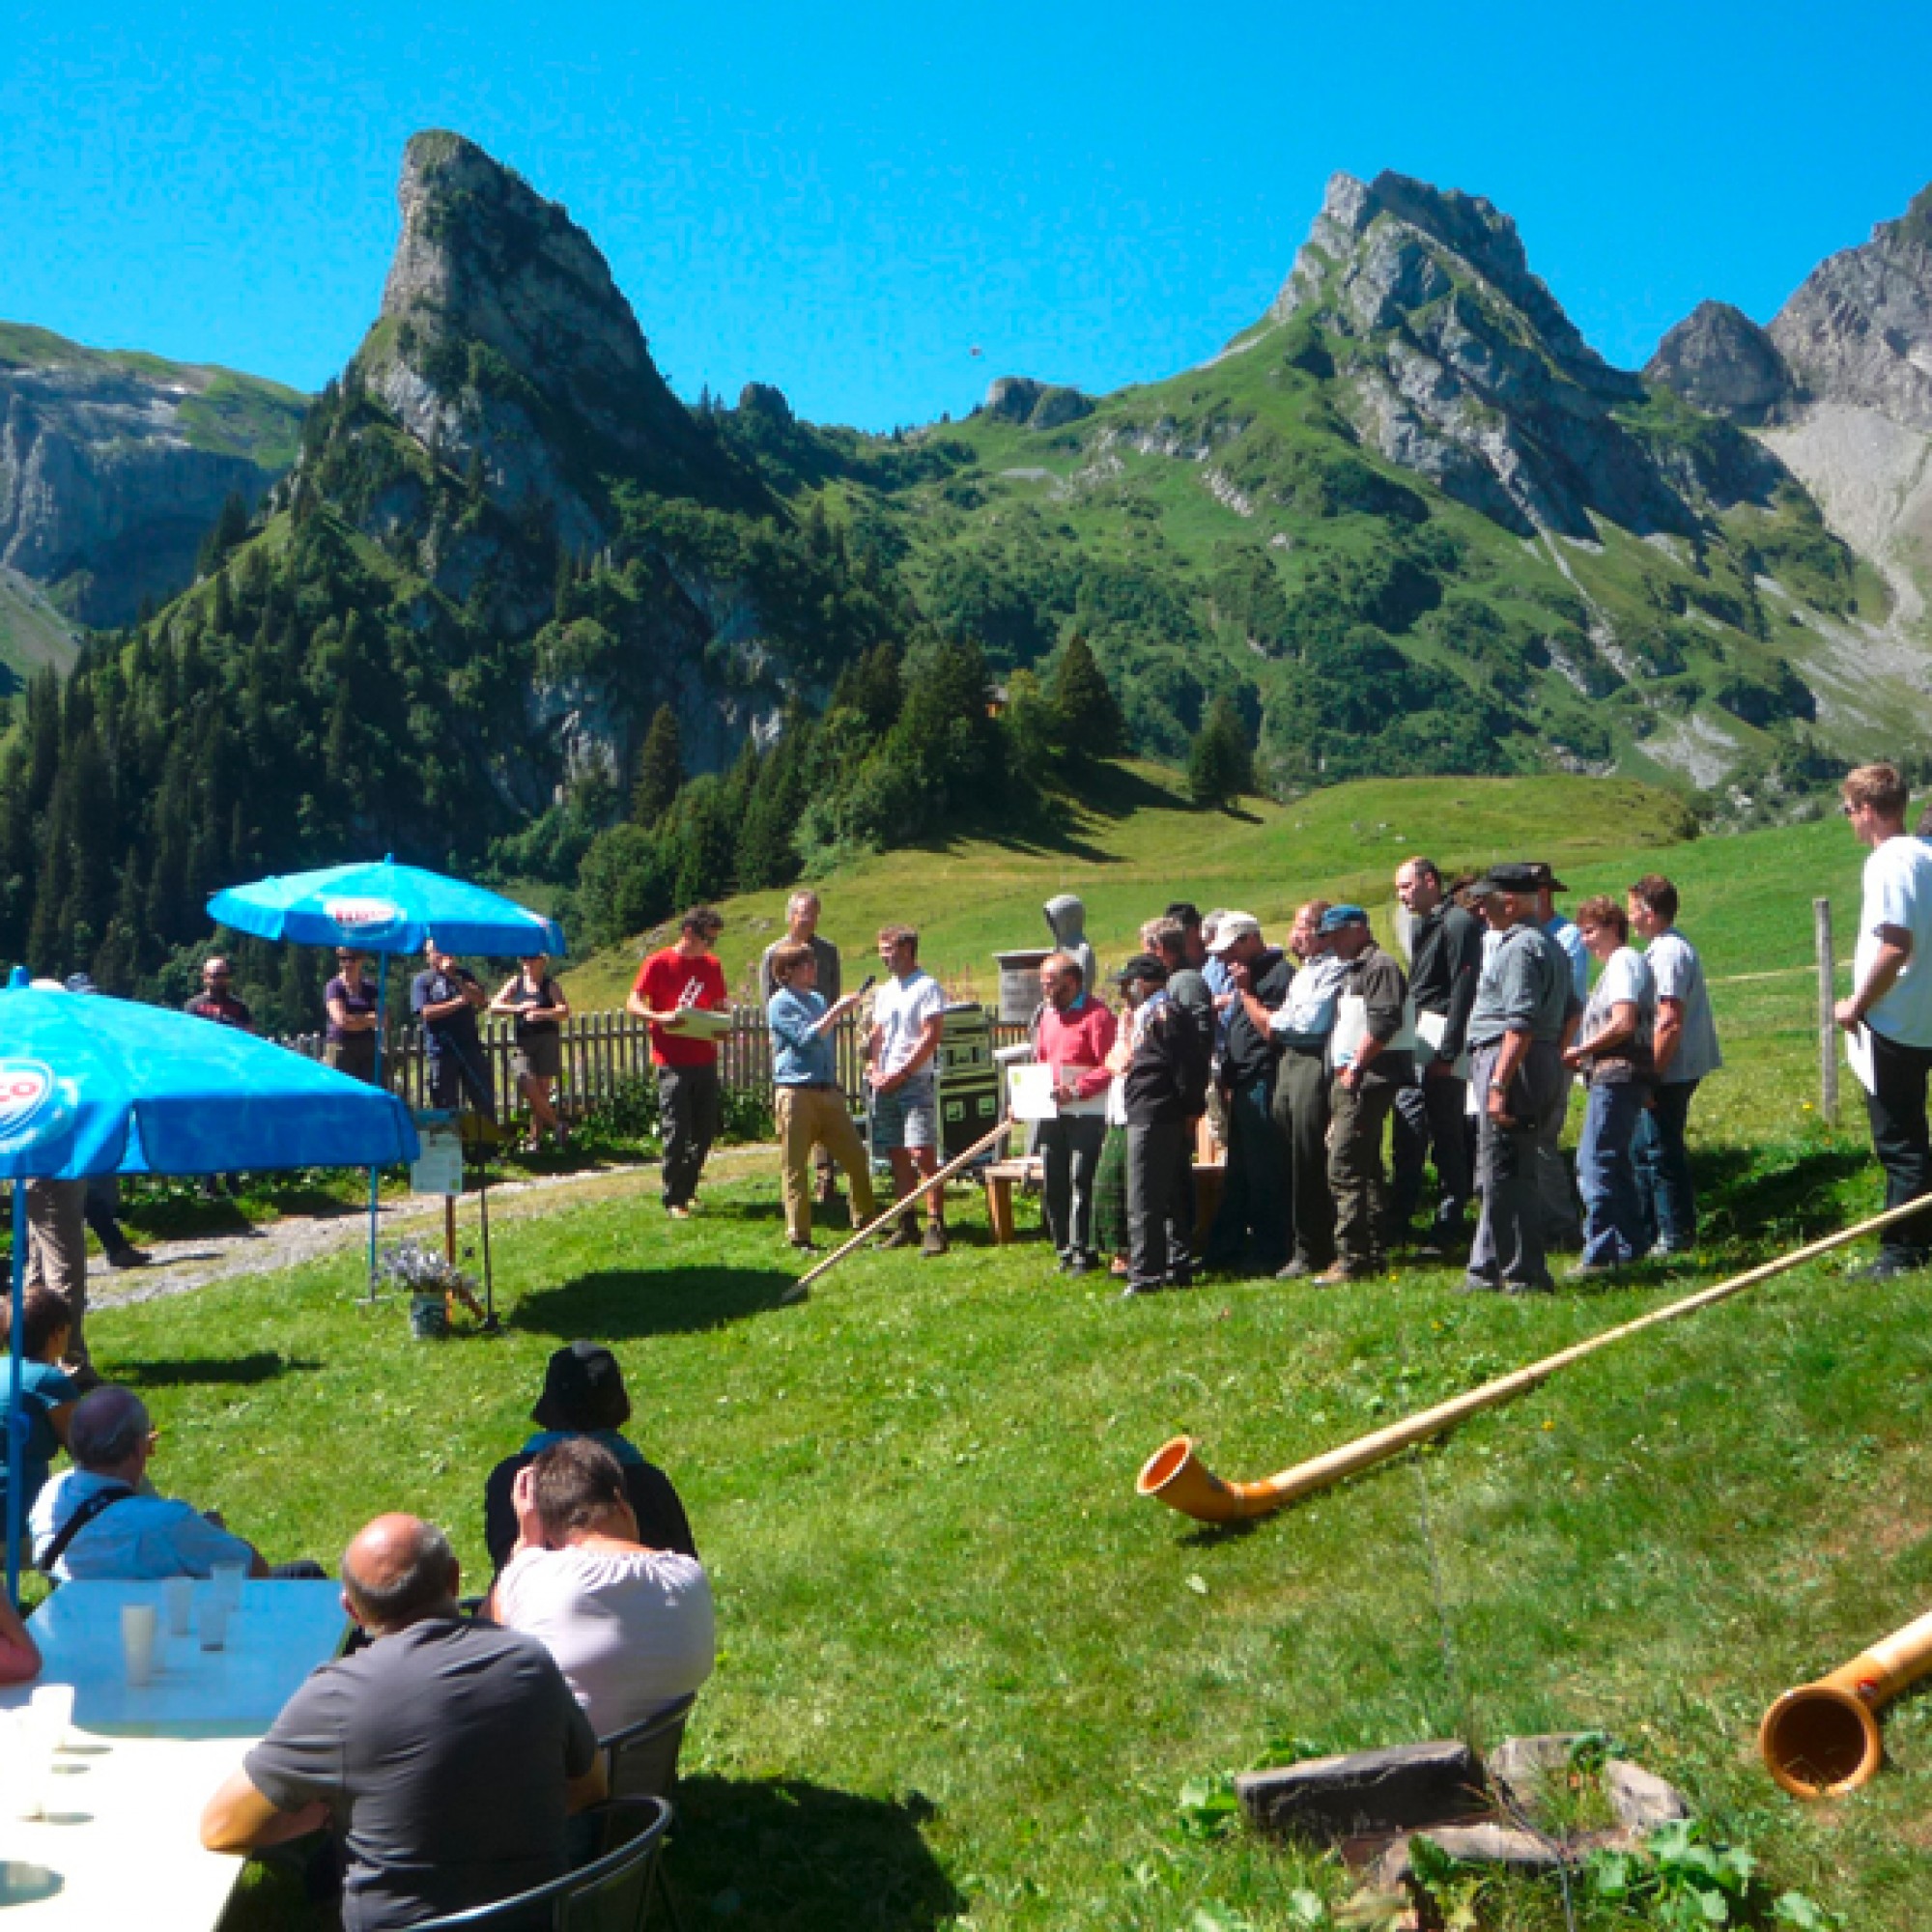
(351, 999)
(540, 1008)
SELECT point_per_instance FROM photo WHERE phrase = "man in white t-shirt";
(902, 1075)
(1685, 1046)
(632, 1629)
(1892, 1001)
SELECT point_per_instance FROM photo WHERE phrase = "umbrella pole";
(382, 1031)
(16, 1409)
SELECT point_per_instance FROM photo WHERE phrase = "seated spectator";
(19, 1653)
(584, 1395)
(47, 1394)
(102, 1519)
(447, 1754)
(631, 1627)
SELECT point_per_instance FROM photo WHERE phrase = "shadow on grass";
(1743, 1198)
(617, 1304)
(264, 1366)
(772, 1852)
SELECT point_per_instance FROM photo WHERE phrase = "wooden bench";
(1001, 1177)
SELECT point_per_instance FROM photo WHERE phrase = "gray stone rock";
(1720, 361)
(1521, 1768)
(1020, 399)
(1641, 1799)
(1328, 1799)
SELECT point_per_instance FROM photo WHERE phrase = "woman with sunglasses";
(351, 999)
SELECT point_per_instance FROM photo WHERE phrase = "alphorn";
(801, 1287)
(1176, 1474)
(1822, 1739)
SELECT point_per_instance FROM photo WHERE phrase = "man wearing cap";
(1164, 1086)
(1254, 1197)
(1300, 1029)
(1524, 999)
(584, 1394)
(1562, 1217)
(1446, 959)
(1373, 1062)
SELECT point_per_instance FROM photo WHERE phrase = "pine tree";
(231, 526)
(1090, 717)
(659, 768)
(1220, 762)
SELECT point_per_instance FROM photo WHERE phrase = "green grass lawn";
(966, 1674)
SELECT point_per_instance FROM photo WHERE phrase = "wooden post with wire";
(1828, 1025)
(799, 1289)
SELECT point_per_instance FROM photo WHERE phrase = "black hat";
(1544, 877)
(1143, 966)
(1510, 878)
(584, 1389)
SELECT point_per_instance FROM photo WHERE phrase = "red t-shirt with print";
(664, 981)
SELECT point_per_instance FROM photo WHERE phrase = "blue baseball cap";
(1339, 916)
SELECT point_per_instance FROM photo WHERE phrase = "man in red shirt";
(1072, 1033)
(670, 983)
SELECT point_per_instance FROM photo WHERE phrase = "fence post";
(1828, 1025)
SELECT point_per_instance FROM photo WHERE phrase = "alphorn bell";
(1823, 1738)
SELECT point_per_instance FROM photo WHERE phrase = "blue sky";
(848, 201)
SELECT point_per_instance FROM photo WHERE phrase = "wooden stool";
(1000, 1176)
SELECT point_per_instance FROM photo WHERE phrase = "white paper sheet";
(1031, 1090)
(1858, 1057)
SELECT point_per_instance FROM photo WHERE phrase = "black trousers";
(1156, 1242)
(1069, 1151)
(1901, 1140)
(1429, 1124)
(1301, 1119)
(689, 1104)
(454, 1073)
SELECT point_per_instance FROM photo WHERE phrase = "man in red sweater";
(670, 983)
(1072, 1033)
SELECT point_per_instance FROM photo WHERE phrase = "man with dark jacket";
(1165, 1082)
(1445, 958)
(1255, 1194)
(1372, 1065)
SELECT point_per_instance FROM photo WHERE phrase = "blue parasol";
(103, 1086)
(386, 908)
(383, 909)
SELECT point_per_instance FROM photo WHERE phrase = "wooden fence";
(604, 1051)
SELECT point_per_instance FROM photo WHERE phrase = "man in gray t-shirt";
(1685, 1049)
(446, 1755)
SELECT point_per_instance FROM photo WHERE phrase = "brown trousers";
(817, 1115)
(57, 1249)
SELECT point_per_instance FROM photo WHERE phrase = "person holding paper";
(1891, 1001)
(810, 1105)
(1072, 1035)
(1373, 1049)
(670, 983)
(1445, 958)
(1250, 1231)
(1300, 1029)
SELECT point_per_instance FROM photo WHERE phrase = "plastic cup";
(178, 1600)
(212, 1622)
(32, 1755)
(138, 1623)
(228, 1583)
(53, 1703)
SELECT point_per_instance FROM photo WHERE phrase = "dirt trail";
(180, 1266)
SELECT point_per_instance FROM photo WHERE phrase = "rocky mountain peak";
(1455, 360)
(1720, 361)
(1859, 329)
(504, 335)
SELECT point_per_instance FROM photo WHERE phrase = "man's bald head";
(397, 1571)
(109, 1427)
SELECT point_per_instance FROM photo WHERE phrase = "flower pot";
(429, 1317)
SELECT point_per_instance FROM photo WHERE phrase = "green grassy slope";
(966, 1674)
(32, 633)
(1139, 843)
(1205, 530)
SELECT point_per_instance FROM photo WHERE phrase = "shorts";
(539, 1056)
(908, 1117)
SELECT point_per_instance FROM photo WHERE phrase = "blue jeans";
(1613, 1229)
(1664, 1188)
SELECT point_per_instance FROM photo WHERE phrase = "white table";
(122, 1845)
